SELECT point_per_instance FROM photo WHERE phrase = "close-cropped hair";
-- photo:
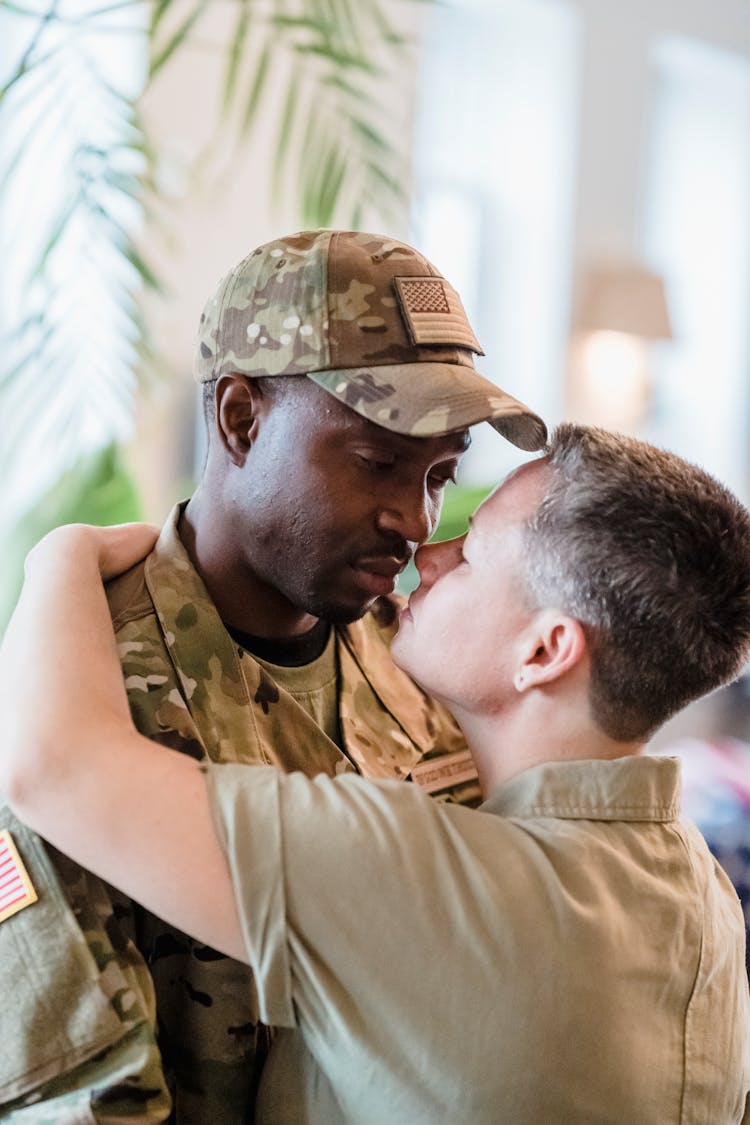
(275, 385)
(208, 394)
(652, 556)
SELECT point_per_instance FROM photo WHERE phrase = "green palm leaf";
(71, 142)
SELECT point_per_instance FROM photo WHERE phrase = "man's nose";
(434, 559)
(413, 517)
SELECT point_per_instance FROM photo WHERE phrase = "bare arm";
(72, 765)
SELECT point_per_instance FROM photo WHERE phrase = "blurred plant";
(97, 490)
(77, 171)
(335, 141)
(460, 503)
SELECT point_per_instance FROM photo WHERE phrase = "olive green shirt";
(315, 686)
(570, 954)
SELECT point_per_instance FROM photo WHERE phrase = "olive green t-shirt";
(314, 685)
(569, 954)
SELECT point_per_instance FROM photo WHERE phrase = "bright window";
(495, 151)
(697, 231)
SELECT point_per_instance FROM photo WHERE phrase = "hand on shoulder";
(115, 548)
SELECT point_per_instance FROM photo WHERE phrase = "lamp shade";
(625, 298)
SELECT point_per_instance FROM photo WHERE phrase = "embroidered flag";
(16, 889)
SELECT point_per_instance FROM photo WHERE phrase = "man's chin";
(337, 613)
(346, 616)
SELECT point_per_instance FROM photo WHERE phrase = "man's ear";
(551, 647)
(238, 402)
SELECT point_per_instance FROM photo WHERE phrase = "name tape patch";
(435, 774)
(16, 888)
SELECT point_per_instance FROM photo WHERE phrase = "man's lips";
(378, 575)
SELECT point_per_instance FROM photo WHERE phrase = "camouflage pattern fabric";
(371, 321)
(77, 1021)
(191, 688)
(280, 313)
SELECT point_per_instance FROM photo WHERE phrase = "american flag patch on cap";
(16, 888)
(433, 313)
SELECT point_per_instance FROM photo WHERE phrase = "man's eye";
(440, 480)
(374, 464)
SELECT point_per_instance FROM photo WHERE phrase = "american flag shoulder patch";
(16, 888)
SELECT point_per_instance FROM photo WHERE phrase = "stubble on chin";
(335, 613)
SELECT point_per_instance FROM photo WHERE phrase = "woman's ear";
(552, 646)
(237, 409)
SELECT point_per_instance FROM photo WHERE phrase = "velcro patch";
(16, 888)
(433, 313)
(434, 774)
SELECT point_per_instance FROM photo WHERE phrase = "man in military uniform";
(339, 386)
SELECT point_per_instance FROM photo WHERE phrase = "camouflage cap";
(371, 321)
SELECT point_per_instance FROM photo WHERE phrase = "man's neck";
(286, 652)
(531, 733)
(243, 601)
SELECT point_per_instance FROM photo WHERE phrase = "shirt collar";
(384, 715)
(638, 788)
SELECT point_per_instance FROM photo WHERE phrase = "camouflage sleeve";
(76, 1021)
(212, 1043)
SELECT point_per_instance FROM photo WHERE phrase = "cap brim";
(429, 399)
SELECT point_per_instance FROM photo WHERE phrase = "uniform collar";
(635, 788)
(219, 696)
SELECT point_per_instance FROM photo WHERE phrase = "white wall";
(589, 174)
(496, 134)
(546, 119)
(664, 177)
(615, 104)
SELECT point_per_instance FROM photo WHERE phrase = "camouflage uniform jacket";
(77, 1016)
(191, 688)
(78, 1012)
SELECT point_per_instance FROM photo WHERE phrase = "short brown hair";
(652, 555)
